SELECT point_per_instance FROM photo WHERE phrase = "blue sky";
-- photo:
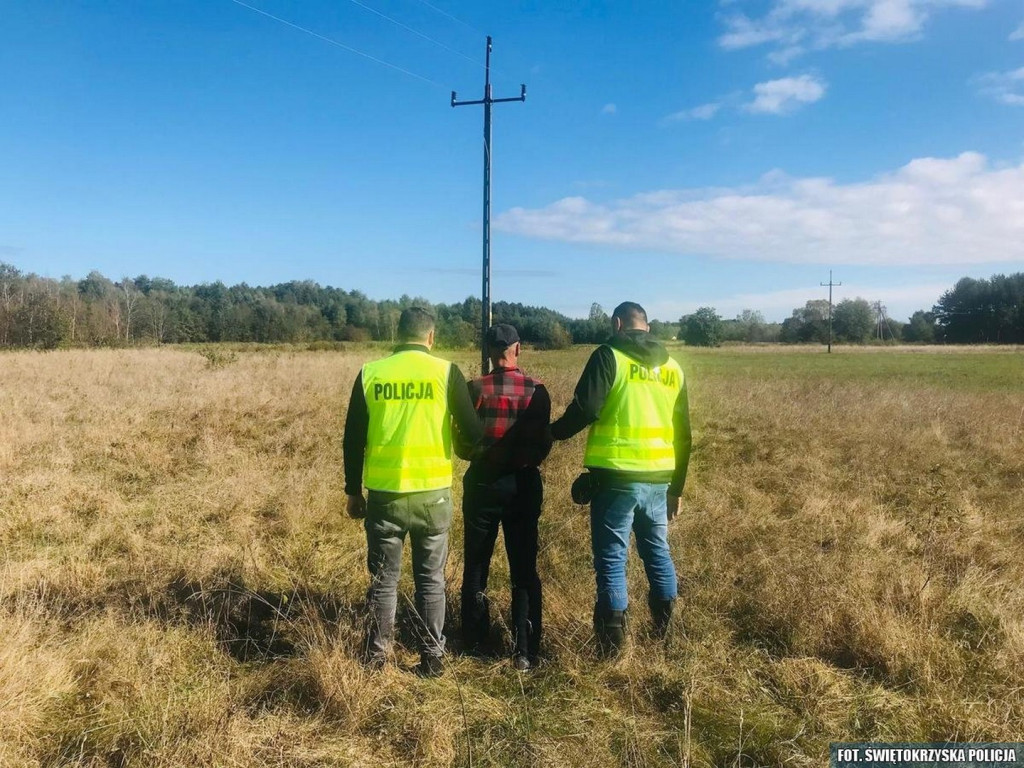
(677, 154)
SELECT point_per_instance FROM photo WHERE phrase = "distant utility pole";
(830, 284)
(882, 322)
(487, 101)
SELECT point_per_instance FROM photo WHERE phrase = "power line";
(416, 32)
(453, 18)
(332, 41)
(470, 27)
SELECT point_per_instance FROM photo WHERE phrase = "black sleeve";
(683, 440)
(534, 438)
(468, 429)
(354, 444)
(461, 446)
(594, 385)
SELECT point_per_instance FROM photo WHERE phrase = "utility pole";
(882, 321)
(830, 284)
(487, 101)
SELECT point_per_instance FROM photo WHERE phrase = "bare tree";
(9, 276)
(159, 319)
(130, 299)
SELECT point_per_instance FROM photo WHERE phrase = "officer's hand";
(357, 507)
(673, 506)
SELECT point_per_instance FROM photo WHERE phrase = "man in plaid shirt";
(503, 487)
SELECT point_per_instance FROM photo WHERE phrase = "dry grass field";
(180, 585)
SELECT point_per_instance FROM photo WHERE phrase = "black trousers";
(512, 501)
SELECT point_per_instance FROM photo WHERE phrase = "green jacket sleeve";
(683, 441)
(591, 391)
(469, 431)
(357, 420)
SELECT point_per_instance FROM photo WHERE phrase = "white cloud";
(703, 112)
(1005, 87)
(777, 97)
(744, 33)
(796, 25)
(783, 56)
(1018, 33)
(931, 211)
(609, 109)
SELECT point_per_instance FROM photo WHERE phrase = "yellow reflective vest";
(409, 436)
(634, 431)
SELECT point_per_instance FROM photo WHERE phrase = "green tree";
(664, 331)
(703, 328)
(453, 331)
(551, 334)
(456, 333)
(39, 321)
(921, 327)
(808, 323)
(853, 320)
(10, 288)
(749, 326)
(980, 311)
(595, 329)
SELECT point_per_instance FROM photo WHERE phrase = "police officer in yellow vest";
(632, 396)
(398, 443)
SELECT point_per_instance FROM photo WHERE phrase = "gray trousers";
(425, 516)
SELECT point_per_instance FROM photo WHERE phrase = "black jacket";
(592, 390)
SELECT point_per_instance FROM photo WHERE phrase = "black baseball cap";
(501, 335)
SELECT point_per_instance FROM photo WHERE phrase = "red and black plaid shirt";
(515, 410)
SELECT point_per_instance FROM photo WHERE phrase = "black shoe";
(610, 631)
(429, 666)
(661, 614)
(521, 663)
(483, 650)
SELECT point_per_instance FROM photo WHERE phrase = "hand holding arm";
(356, 507)
(682, 442)
(673, 506)
(357, 422)
(468, 429)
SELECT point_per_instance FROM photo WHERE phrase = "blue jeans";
(616, 508)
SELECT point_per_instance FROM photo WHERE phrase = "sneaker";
(430, 666)
(521, 663)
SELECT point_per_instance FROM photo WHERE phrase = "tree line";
(972, 312)
(44, 313)
(40, 312)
